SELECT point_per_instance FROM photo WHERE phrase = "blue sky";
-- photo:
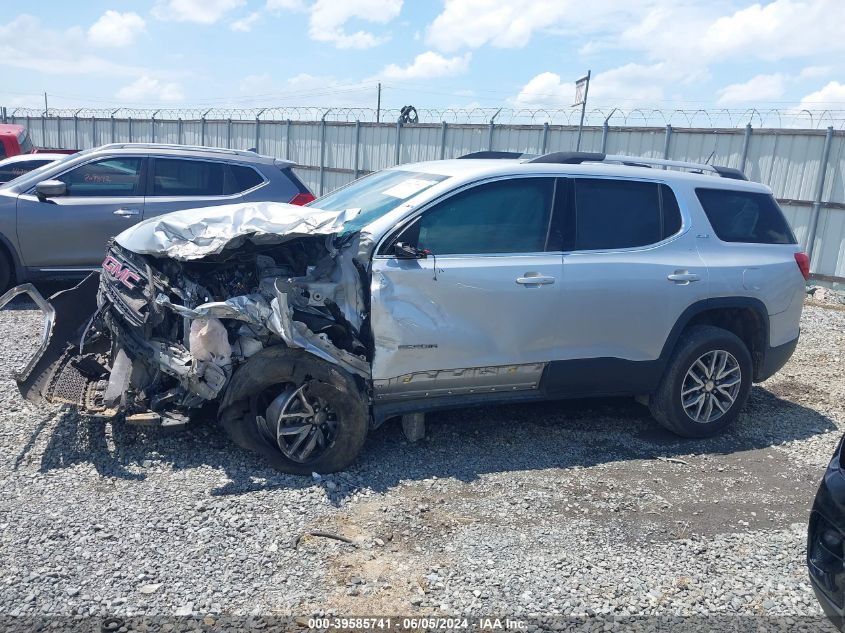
(452, 53)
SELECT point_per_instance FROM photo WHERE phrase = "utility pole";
(378, 104)
(45, 104)
(585, 81)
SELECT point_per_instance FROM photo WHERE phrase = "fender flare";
(17, 265)
(715, 303)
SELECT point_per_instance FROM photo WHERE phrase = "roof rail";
(174, 146)
(576, 158)
(492, 154)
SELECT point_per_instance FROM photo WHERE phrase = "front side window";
(745, 216)
(613, 214)
(108, 177)
(175, 177)
(506, 216)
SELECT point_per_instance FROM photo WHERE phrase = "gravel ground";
(584, 509)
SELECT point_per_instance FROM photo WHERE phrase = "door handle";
(683, 277)
(534, 279)
(127, 212)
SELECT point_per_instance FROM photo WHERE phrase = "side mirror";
(50, 189)
(402, 250)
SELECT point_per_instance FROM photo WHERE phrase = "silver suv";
(55, 221)
(435, 285)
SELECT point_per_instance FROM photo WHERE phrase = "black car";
(825, 541)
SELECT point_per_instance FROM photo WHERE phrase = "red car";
(14, 140)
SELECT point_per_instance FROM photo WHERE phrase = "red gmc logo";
(120, 272)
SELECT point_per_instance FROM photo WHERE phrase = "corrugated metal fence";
(804, 168)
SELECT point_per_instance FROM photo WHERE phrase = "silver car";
(435, 285)
(55, 221)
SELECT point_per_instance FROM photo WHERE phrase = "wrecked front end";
(157, 336)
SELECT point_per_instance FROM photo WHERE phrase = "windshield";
(376, 195)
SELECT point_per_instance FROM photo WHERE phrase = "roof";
(473, 169)
(20, 158)
(193, 150)
(9, 128)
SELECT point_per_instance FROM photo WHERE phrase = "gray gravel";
(581, 509)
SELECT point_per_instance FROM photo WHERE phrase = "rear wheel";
(706, 383)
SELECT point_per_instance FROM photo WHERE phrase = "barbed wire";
(629, 117)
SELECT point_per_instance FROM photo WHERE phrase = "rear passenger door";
(187, 183)
(481, 311)
(631, 267)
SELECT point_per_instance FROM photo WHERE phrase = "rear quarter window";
(745, 216)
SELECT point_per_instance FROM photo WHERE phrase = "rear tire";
(706, 383)
(272, 385)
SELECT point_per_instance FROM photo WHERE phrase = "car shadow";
(460, 444)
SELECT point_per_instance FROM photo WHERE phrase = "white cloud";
(627, 85)
(252, 84)
(26, 43)
(116, 29)
(245, 24)
(198, 11)
(284, 5)
(150, 89)
(759, 88)
(830, 97)
(329, 17)
(814, 72)
(428, 65)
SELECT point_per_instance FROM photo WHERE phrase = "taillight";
(302, 198)
(803, 264)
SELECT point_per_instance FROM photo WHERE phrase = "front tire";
(301, 413)
(706, 383)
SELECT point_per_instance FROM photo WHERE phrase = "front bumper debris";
(58, 372)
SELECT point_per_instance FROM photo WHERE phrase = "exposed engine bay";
(170, 327)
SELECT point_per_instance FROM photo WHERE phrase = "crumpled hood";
(196, 233)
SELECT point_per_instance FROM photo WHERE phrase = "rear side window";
(613, 214)
(25, 142)
(244, 178)
(745, 216)
(507, 216)
(173, 177)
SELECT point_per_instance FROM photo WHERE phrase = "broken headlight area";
(166, 336)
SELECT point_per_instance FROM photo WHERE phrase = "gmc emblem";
(120, 272)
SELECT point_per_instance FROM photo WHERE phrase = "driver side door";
(478, 313)
(69, 232)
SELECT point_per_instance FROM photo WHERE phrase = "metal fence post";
(743, 161)
(28, 125)
(545, 137)
(153, 127)
(357, 145)
(129, 121)
(202, 126)
(93, 131)
(605, 128)
(666, 142)
(113, 140)
(490, 133)
(229, 133)
(398, 142)
(258, 129)
(287, 140)
(76, 129)
(3, 111)
(442, 140)
(59, 130)
(44, 142)
(179, 132)
(323, 147)
(817, 201)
